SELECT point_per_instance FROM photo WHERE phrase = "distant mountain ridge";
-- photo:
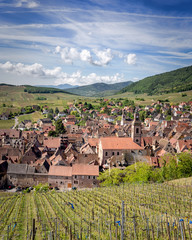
(174, 81)
(98, 89)
(60, 86)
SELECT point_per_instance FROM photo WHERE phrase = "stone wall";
(85, 181)
(60, 182)
(26, 180)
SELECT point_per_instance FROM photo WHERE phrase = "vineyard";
(135, 211)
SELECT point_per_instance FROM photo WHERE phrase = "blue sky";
(84, 42)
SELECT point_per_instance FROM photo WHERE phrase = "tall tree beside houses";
(60, 129)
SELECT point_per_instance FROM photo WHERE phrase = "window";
(76, 182)
(118, 153)
(75, 176)
(88, 177)
(113, 153)
(94, 177)
(137, 130)
(82, 177)
(137, 140)
(61, 182)
(106, 153)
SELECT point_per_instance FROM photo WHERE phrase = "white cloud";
(58, 49)
(69, 55)
(38, 71)
(131, 59)
(85, 56)
(105, 57)
(26, 3)
(78, 78)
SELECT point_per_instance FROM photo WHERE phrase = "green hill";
(98, 89)
(14, 97)
(33, 89)
(175, 81)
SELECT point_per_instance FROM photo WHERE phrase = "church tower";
(136, 129)
(123, 118)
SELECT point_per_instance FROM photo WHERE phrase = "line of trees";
(173, 167)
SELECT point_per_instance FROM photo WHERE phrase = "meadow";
(32, 116)
(14, 98)
(134, 211)
(5, 124)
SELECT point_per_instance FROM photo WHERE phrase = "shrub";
(41, 187)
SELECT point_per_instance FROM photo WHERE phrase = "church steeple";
(136, 129)
(123, 118)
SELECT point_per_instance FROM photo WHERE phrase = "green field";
(4, 124)
(134, 211)
(14, 97)
(174, 98)
(32, 116)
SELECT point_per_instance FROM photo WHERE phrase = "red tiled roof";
(146, 141)
(160, 153)
(153, 123)
(93, 141)
(173, 141)
(13, 133)
(84, 169)
(60, 171)
(48, 128)
(52, 142)
(69, 123)
(119, 143)
(185, 143)
(76, 169)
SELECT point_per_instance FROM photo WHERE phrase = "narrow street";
(16, 122)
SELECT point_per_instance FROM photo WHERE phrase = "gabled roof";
(52, 142)
(46, 120)
(185, 144)
(60, 171)
(20, 168)
(84, 169)
(93, 141)
(12, 133)
(113, 143)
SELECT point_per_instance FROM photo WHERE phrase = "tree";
(50, 115)
(185, 164)
(52, 133)
(89, 106)
(75, 113)
(142, 115)
(56, 110)
(158, 108)
(60, 129)
(51, 110)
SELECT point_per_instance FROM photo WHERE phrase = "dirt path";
(16, 122)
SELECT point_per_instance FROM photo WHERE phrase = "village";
(68, 149)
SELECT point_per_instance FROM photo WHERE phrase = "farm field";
(4, 124)
(32, 116)
(172, 97)
(142, 211)
(14, 97)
